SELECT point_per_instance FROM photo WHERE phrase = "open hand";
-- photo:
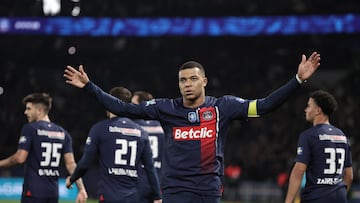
(77, 78)
(309, 66)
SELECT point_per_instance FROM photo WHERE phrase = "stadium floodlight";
(51, 7)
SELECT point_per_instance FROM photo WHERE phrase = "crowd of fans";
(249, 68)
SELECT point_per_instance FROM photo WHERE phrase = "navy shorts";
(128, 199)
(338, 196)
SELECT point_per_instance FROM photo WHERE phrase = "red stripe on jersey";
(208, 120)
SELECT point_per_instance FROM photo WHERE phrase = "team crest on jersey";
(299, 150)
(22, 139)
(88, 140)
(192, 117)
(150, 102)
(207, 115)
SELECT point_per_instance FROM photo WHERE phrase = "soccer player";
(195, 126)
(156, 138)
(324, 153)
(121, 146)
(41, 145)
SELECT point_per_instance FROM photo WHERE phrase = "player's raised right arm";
(77, 78)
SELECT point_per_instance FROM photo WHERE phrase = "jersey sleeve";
(235, 107)
(93, 139)
(348, 158)
(275, 99)
(114, 104)
(68, 143)
(26, 137)
(87, 158)
(147, 160)
(303, 149)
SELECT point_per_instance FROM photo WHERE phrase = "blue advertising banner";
(11, 188)
(155, 27)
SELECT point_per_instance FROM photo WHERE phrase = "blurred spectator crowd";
(246, 67)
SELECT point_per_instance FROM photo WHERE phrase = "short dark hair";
(192, 64)
(143, 96)
(39, 98)
(121, 93)
(325, 101)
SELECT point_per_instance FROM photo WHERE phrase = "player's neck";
(194, 103)
(321, 120)
(44, 118)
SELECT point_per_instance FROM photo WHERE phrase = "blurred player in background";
(324, 153)
(156, 138)
(41, 145)
(120, 145)
(195, 126)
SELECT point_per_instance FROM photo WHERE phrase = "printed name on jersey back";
(333, 138)
(51, 134)
(194, 132)
(125, 131)
(153, 129)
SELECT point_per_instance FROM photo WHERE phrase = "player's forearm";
(154, 182)
(81, 167)
(80, 184)
(276, 98)
(348, 177)
(11, 161)
(111, 103)
(7, 162)
(294, 185)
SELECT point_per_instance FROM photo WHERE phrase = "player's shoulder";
(28, 127)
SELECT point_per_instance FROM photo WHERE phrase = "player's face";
(32, 112)
(192, 83)
(135, 99)
(311, 110)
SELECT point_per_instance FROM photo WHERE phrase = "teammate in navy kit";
(195, 126)
(324, 153)
(121, 146)
(156, 138)
(41, 145)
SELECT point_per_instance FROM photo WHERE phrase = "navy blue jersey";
(120, 145)
(326, 152)
(156, 138)
(194, 137)
(46, 142)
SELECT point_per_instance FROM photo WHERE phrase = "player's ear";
(205, 81)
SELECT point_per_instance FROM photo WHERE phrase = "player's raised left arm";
(306, 69)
